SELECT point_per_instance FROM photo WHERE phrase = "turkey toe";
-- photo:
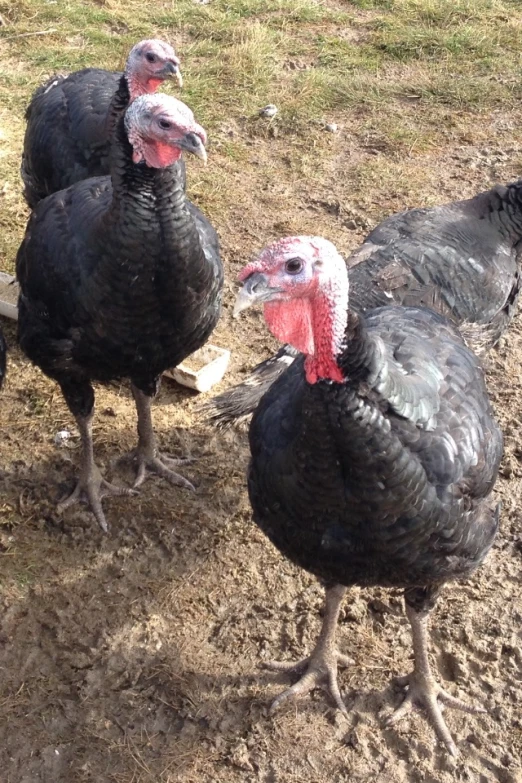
(426, 694)
(319, 669)
(91, 489)
(162, 465)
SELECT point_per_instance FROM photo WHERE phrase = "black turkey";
(122, 279)
(69, 118)
(374, 455)
(460, 259)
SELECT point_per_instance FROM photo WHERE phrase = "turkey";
(69, 118)
(374, 455)
(121, 277)
(460, 259)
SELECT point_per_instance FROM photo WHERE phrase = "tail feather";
(235, 406)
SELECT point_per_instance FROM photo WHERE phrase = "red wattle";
(159, 155)
(153, 84)
(291, 322)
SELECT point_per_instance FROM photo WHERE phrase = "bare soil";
(134, 657)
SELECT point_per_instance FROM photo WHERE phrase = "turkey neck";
(120, 101)
(510, 209)
(343, 350)
(150, 211)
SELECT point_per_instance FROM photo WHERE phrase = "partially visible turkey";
(373, 456)
(69, 118)
(460, 259)
(122, 280)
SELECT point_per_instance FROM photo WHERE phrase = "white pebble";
(331, 127)
(62, 437)
(268, 111)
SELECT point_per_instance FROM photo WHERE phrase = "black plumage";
(69, 118)
(460, 259)
(383, 477)
(121, 278)
(380, 480)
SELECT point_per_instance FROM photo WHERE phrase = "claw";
(160, 465)
(92, 489)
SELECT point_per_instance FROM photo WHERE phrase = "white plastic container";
(202, 369)
(9, 290)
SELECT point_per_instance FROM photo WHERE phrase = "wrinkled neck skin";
(316, 327)
(157, 155)
(137, 88)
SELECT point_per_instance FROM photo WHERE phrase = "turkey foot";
(160, 464)
(91, 488)
(423, 690)
(320, 667)
(146, 454)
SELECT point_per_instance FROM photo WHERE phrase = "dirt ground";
(134, 657)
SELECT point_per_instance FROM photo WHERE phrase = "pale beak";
(255, 289)
(191, 142)
(172, 71)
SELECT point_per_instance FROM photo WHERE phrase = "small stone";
(268, 111)
(331, 127)
(61, 437)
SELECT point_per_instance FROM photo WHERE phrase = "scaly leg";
(91, 486)
(320, 667)
(146, 454)
(423, 690)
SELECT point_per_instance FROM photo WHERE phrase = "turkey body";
(67, 136)
(460, 259)
(373, 482)
(118, 287)
(103, 295)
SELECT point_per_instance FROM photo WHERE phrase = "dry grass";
(404, 70)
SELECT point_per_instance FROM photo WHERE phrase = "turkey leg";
(146, 454)
(91, 486)
(423, 690)
(319, 668)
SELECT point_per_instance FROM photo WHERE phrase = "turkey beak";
(255, 289)
(172, 71)
(191, 142)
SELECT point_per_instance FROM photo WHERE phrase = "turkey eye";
(293, 266)
(165, 124)
(151, 57)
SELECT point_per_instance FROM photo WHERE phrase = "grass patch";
(401, 67)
